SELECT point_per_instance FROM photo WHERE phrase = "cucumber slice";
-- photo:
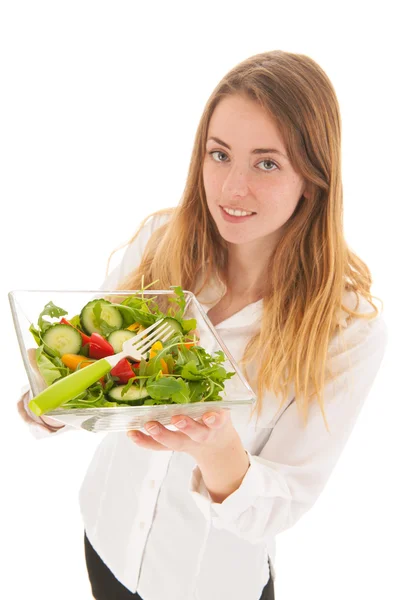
(63, 339)
(117, 338)
(134, 393)
(109, 313)
(174, 324)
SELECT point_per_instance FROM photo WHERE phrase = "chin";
(236, 238)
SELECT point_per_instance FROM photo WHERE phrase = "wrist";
(223, 470)
(43, 421)
(220, 451)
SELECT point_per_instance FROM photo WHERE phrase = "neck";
(247, 271)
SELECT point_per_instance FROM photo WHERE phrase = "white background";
(100, 102)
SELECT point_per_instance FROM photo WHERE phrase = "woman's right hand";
(45, 423)
(21, 408)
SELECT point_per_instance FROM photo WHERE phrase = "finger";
(51, 422)
(171, 440)
(22, 412)
(216, 419)
(195, 430)
(199, 431)
(144, 441)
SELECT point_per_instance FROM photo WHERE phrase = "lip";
(232, 219)
(235, 207)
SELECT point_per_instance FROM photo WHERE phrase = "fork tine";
(138, 336)
(166, 333)
(153, 336)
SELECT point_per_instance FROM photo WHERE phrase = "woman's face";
(246, 168)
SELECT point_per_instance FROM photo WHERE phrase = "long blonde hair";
(300, 310)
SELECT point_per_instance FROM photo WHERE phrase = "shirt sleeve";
(130, 260)
(290, 472)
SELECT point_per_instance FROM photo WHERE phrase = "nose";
(235, 183)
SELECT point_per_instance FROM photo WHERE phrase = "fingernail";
(181, 423)
(153, 429)
(209, 420)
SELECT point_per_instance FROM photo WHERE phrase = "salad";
(174, 372)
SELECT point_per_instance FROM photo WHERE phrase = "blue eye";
(266, 160)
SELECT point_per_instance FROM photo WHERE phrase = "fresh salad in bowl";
(174, 372)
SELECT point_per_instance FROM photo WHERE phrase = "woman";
(193, 513)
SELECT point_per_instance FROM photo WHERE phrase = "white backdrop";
(99, 104)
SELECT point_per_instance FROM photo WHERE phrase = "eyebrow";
(256, 151)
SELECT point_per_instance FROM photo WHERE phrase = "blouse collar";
(214, 291)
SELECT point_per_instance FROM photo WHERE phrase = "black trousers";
(106, 587)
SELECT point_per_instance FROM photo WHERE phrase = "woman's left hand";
(194, 437)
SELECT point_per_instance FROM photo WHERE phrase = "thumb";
(216, 419)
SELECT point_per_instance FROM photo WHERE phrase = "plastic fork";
(68, 387)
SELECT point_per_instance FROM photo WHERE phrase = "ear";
(306, 191)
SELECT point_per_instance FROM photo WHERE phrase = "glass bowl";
(26, 306)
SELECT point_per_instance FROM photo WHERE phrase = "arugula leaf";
(197, 390)
(50, 310)
(151, 367)
(142, 372)
(84, 351)
(153, 307)
(59, 364)
(96, 392)
(185, 355)
(109, 383)
(132, 313)
(183, 395)
(190, 371)
(134, 302)
(90, 398)
(219, 356)
(128, 386)
(169, 388)
(170, 362)
(151, 401)
(179, 300)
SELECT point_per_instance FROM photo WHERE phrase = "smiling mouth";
(237, 212)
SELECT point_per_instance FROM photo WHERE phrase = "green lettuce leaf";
(188, 325)
(36, 334)
(47, 369)
(76, 322)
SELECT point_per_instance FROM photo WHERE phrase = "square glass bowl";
(26, 306)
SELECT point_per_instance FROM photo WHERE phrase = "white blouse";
(148, 513)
